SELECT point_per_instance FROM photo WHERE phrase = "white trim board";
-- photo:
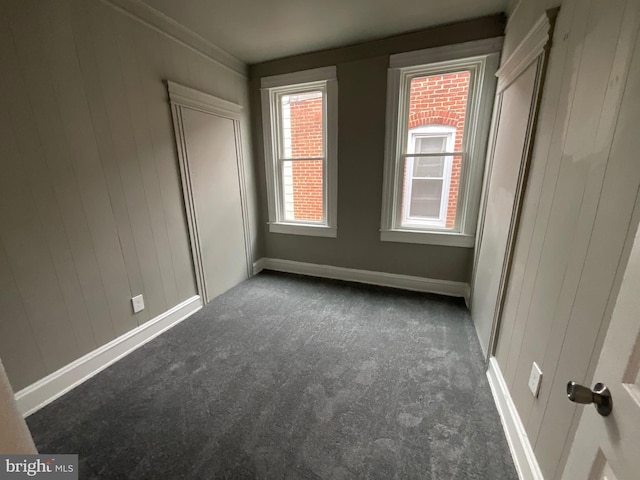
(304, 76)
(167, 26)
(446, 53)
(534, 44)
(404, 282)
(521, 449)
(258, 266)
(190, 97)
(44, 391)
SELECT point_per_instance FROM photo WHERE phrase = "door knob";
(600, 395)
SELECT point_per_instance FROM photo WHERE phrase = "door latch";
(600, 396)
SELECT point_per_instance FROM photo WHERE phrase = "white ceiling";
(258, 30)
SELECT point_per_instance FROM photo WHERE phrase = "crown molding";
(535, 43)
(189, 97)
(167, 26)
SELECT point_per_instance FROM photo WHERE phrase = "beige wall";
(577, 213)
(91, 209)
(14, 434)
(362, 83)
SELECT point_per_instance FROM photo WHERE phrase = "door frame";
(534, 49)
(181, 98)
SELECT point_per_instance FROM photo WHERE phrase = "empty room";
(320, 239)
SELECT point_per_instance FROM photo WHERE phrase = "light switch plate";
(138, 303)
(535, 379)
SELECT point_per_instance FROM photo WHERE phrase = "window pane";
(431, 144)
(429, 167)
(426, 198)
(302, 125)
(430, 191)
(302, 188)
(440, 100)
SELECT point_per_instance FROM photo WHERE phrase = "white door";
(608, 448)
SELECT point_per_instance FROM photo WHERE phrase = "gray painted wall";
(362, 79)
(91, 209)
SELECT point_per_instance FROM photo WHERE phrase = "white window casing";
(481, 59)
(280, 201)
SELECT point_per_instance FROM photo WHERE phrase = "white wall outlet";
(535, 379)
(138, 303)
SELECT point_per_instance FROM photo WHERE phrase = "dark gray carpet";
(286, 377)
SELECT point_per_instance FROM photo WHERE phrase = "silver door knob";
(600, 396)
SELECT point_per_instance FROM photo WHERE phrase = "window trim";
(323, 78)
(483, 55)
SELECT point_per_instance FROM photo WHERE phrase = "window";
(438, 108)
(299, 114)
(427, 180)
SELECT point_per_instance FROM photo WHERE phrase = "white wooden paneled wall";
(91, 210)
(577, 215)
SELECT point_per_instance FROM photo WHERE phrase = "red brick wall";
(306, 141)
(442, 100)
(434, 100)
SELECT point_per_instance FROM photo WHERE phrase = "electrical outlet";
(535, 379)
(138, 303)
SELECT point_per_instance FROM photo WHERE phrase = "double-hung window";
(438, 114)
(299, 113)
(427, 180)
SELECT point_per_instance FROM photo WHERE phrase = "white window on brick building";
(299, 113)
(438, 113)
(427, 180)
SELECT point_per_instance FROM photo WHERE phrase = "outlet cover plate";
(535, 379)
(138, 303)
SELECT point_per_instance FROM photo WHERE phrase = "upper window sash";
(281, 120)
(475, 67)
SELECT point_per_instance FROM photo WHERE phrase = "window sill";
(308, 230)
(428, 238)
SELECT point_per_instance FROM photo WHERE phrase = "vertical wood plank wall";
(576, 221)
(91, 209)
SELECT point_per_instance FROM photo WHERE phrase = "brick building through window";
(303, 188)
(441, 100)
(434, 101)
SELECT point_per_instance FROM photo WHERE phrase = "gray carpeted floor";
(287, 377)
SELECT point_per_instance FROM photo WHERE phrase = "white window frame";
(441, 131)
(481, 58)
(325, 80)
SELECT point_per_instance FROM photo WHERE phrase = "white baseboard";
(405, 282)
(35, 396)
(521, 450)
(258, 266)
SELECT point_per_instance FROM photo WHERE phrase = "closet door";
(207, 136)
(520, 82)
